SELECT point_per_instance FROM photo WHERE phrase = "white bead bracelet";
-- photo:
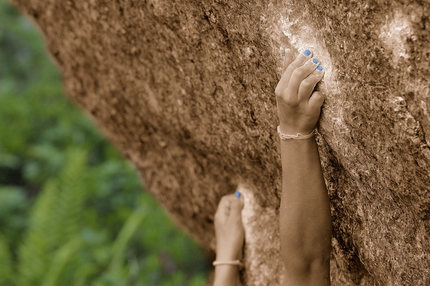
(231, 262)
(298, 136)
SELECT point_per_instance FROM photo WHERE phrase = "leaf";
(73, 183)
(61, 257)
(126, 233)
(34, 251)
(54, 220)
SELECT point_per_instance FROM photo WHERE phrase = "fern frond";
(61, 257)
(123, 238)
(73, 182)
(82, 274)
(55, 220)
(33, 252)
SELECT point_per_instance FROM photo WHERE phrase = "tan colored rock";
(185, 89)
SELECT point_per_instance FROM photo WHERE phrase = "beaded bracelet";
(298, 136)
(232, 262)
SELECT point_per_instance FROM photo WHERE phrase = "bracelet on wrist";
(229, 262)
(298, 136)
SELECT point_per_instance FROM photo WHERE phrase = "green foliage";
(5, 262)
(13, 204)
(72, 211)
(61, 248)
(47, 255)
(56, 219)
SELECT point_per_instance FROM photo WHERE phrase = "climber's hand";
(228, 228)
(299, 104)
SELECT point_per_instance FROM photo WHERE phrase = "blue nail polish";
(237, 194)
(284, 53)
(307, 53)
(314, 60)
(320, 68)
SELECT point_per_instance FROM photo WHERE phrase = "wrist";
(226, 275)
(297, 136)
(220, 256)
(293, 130)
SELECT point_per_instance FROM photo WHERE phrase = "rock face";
(185, 89)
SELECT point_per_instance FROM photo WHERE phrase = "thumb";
(317, 100)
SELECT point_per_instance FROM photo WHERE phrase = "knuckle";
(298, 73)
(317, 76)
(319, 96)
(292, 102)
(281, 96)
(278, 91)
(318, 99)
(308, 83)
(294, 65)
(286, 100)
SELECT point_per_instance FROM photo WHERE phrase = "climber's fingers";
(236, 204)
(307, 85)
(299, 75)
(223, 209)
(230, 206)
(291, 66)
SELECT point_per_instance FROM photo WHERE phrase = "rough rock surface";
(185, 89)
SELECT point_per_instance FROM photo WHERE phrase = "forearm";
(226, 275)
(229, 240)
(305, 221)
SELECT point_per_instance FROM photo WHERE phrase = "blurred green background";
(72, 211)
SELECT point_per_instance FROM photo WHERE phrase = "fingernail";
(237, 194)
(314, 60)
(307, 52)
(320, 68)
(284, 53)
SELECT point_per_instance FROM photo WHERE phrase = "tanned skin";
(229, 239)
(305, 221)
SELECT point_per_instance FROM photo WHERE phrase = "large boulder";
(185, 89)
